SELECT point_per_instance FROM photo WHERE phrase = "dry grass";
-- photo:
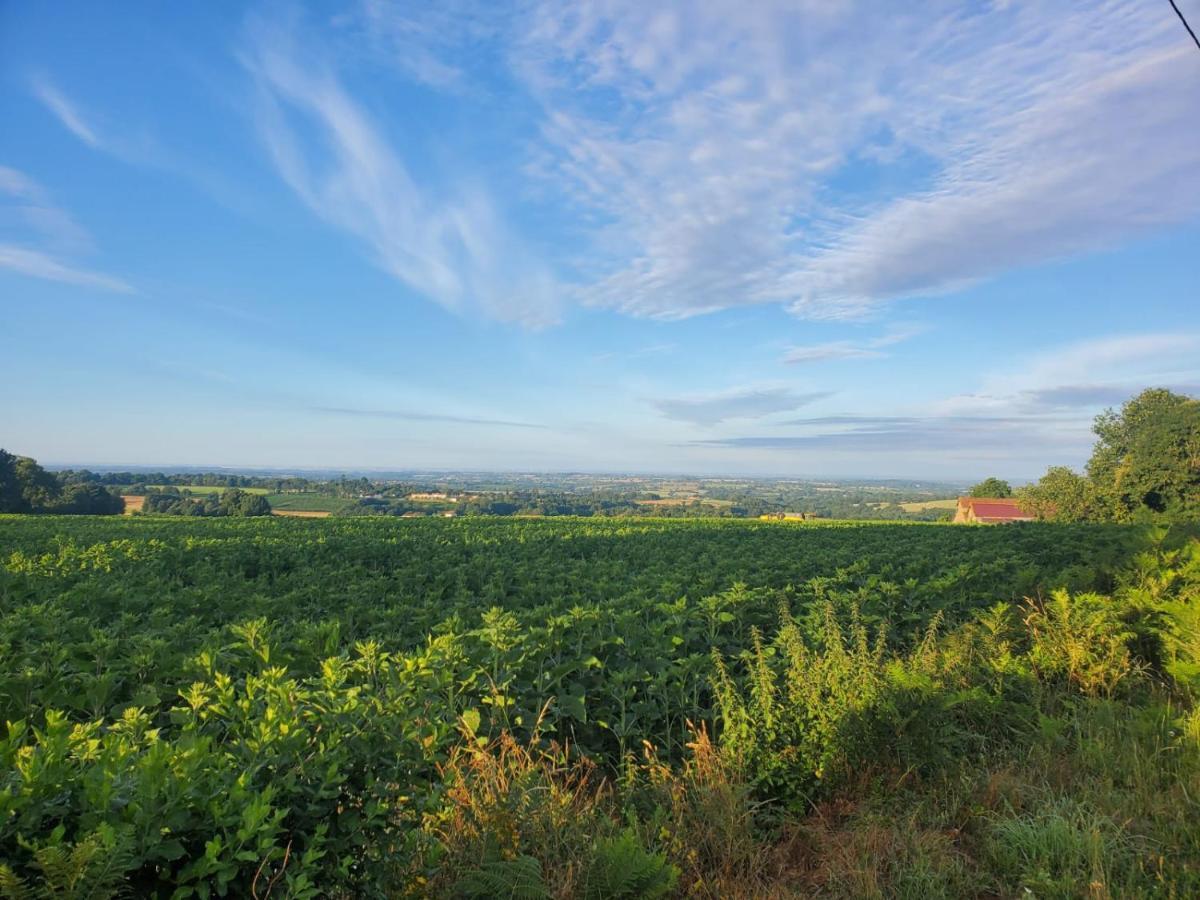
(506, 800)
(705, 819)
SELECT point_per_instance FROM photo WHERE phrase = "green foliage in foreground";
(341, 707)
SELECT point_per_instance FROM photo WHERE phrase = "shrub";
(260, 779)
(703, 816)
(1080, 640)
(803, 719)
(808, 717)
(505, 802)
(524, 821)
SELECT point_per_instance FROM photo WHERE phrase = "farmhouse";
(990, 511)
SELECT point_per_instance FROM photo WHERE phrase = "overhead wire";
(1179, 13)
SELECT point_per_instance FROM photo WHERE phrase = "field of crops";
(308, 502)
(201, 706)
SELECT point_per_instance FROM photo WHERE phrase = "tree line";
(25, 487)
(137, 482)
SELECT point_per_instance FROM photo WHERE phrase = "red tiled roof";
(997, 510)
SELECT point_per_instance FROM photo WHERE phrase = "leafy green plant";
(93, 868)
(622, 869)
(519, 879)
(1081, 639)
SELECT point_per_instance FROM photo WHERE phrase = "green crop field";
(597, 707)
(308, 502)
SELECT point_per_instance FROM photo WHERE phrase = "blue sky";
(803, 238)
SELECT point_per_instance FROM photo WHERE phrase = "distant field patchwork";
(205, 489)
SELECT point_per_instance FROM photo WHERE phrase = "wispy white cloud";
(1032, 410)
(827, 157)
(873, 348)
(437, 44)
(983, 436)
(34, 234)
(65, 111)
(1067, 376)
(742, 403)
(136, 146)
(450, 245)
(36, 264)
(1075, 396)
(26, 206)
(16, 184)
(1105, 159)
(416, 416)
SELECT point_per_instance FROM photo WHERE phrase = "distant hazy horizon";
(449, 473)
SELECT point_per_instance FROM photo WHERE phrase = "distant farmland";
(307, 503)
(684, 501)
(950, 503)
(293, 503)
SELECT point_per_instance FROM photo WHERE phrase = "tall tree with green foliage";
(25, 487)
(992, 487)
(1146, 463)
(1145, 466)
(1062, 495)
(12, 496)
(236, 502)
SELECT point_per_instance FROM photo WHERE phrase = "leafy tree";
(25, 487)
(231, 502)
(1146, 462)
(992, 487)
(12, 495)
(1061, 495)
(88, 499)
(235, 502)
(39, 487)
